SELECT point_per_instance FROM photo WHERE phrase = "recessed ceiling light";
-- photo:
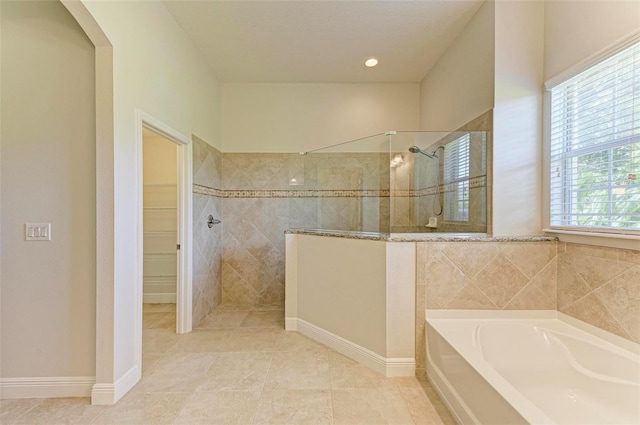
(371, 62)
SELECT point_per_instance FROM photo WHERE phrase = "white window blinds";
(595, 147)
(456, 179)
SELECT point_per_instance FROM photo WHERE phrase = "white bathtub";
(500, 367)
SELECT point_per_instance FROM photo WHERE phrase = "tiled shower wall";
(260, 204)
(207, 246)
(598, 285)
(241, 261)
(254, 225)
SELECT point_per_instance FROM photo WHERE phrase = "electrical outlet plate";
(37, 231)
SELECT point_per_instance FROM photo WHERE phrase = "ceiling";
(322, 41)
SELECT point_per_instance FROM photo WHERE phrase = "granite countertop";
(420, 237)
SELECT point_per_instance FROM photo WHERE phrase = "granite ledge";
(422, 237)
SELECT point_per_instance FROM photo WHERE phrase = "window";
(456, 179)
(595, 147)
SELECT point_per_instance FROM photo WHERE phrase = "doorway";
(164, 183)
(160, 231)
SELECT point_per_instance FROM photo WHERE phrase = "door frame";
(185, 206)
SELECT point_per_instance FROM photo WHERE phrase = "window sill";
(613, 240)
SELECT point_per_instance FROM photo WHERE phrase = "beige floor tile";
(436, 402)
(61, 411)
(237, 371)
(157, 308)
(252, 339)
(420, 407)
(177, 373)
(294, 341)
(299, 371)
(369, 407)
(138, 409)
(407, 382)
(149, 360)
(346, 373)
(264, 319)
(10, 410)
(223, 407)
(299, 407)
(159, 340)
(223, 320)
(202, 341)
(159, 320)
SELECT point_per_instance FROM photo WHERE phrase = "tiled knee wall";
(598, 285)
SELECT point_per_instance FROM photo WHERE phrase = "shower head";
(415, 149)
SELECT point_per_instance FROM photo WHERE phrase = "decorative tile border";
(206, 190)
(475, 182)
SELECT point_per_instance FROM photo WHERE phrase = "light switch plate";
(37, 231)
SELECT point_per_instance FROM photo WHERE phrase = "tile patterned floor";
(241, 367)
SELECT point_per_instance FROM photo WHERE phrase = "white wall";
(155, 69)
(265, 117)
(460, 86)
(48, 175)
(517, 118)
(575, 30)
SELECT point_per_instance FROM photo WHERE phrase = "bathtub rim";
(520, 403)
(620, 342)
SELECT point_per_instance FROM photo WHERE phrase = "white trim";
(160, 298)
(108, 394)
(386, 366)
(594, 59)
(595, 233)
(290, 324)
(611, 240)
(184, 237)
(46, 387)
(590, 238)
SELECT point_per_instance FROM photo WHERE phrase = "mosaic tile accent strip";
(210, 191)
(409, 193)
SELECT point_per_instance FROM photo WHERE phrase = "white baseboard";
(107, 394)
(290, 324)
(386, 366)
(46, 387)
(161, 298)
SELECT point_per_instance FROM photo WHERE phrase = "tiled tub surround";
(598, 285)
(601, 286)
(483, 276)
(207, 243)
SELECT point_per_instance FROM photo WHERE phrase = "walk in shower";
(394, 182)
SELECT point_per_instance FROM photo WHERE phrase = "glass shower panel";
(439, 185)
(397, 182)
(343, 187)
